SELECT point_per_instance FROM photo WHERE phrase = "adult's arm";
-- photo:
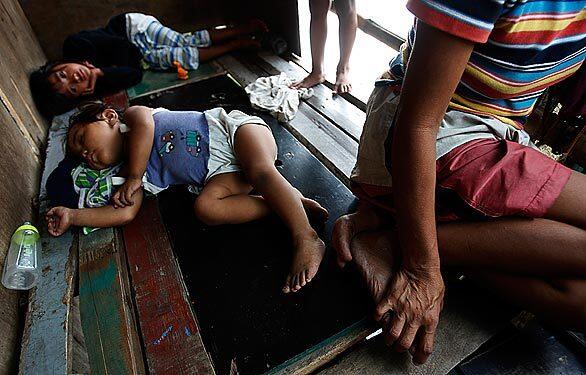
(415, 295)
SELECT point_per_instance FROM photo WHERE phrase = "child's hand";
(123, 197)
(59, 219)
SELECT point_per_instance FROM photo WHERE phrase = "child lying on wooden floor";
(226, 154)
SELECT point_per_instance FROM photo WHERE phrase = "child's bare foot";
(309, 252)
(342, 84)
(314, 78)
(314, 210)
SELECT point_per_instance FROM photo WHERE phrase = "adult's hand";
(410, 310)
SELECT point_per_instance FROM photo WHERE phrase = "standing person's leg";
(318, 32)
(256, 151)
(346, 10)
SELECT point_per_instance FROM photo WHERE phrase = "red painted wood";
(118, 101)
(170, 332)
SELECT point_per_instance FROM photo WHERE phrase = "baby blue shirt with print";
(180, 150)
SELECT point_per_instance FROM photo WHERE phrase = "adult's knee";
(573, 295)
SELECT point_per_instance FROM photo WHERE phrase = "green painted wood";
(325, 351)
(155, 81)
(106, 310)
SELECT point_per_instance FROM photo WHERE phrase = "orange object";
(181, 73)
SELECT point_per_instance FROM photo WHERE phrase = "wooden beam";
(106, 309)
(47, 335)
(378, 32)
(318, 355)
(170, 332)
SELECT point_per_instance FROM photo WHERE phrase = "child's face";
(99, 143)
(72, 80)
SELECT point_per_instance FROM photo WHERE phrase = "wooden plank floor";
(47, 335)
(170, 332)
(107, 312)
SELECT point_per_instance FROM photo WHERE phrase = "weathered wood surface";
(324, 352)
(20, 54)
(106, 309)
(331, 146)
(338, 110)
(23, 134)
(46, 339)
(469, 318)
(170, 332)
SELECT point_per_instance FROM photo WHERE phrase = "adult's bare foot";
(309, 251)
(348, 226)
(342, 84)
(314, 210)
(314, 78)
(375, 260)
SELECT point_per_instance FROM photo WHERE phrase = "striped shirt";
(523, 47)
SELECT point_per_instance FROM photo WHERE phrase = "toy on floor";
(181, 72)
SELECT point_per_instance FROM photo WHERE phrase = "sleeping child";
(225, 154)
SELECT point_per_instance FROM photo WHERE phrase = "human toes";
(287, 287)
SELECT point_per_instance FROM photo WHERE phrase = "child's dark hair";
(87, 112)
(49, 102)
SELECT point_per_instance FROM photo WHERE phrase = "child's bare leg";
(346, 11)
(318, 34)
(210, 53)
(256, 151)
(225, 200)
(223, 35)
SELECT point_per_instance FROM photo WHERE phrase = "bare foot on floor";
(314, 78)
(348, 226)
(309, 252)
(314, 210)
(342, 84)
(373, 255)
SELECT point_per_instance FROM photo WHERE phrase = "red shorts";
(487, 178)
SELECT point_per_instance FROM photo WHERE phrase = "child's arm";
(59, 219)
(140, 142)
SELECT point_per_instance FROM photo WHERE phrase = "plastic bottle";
(21, 266)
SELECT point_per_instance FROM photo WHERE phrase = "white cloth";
(274, 95)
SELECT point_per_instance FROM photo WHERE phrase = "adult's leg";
(538, 263)
(318, 33)
(346, 10)
(570, 206)
(256, 151)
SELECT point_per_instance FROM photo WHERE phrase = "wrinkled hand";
(123, 196)
(414, 299)
(59, 219)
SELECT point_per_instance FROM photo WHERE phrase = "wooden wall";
(22, 137)
(53, 20)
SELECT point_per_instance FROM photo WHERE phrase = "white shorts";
(222, 129)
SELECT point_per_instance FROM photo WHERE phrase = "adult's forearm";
(413, 160)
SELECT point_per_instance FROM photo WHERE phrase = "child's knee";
(207, 210)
